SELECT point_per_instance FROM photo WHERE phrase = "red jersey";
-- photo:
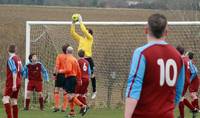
(85, 68)
(156, 80)
(14, 65)
(35, 72)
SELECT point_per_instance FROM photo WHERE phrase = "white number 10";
(165, 72)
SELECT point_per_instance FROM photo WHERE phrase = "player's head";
(70, 50)
(156, 27)
(180, 49)
(90, 31)
(12, 49)
(190, 55)
(81, 53)
(32, 57)
(64, 48)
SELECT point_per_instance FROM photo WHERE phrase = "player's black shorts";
(70, 84)
(60, 80)
(91, 62)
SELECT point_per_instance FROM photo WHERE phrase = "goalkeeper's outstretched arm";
(84, 29)
(73, 33)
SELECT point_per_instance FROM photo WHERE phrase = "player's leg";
(194, 99)
(7, 106)
(65, 98)
(181, 108)
(188, 104)
(14, 99)
(58, 87)
(39, 88)
(28, 100)
(14, 107)
(73, 98)
(70, 86)
(72, 112)
(194, 87)
(30, 89)
(93, 78)
(83, 91)
(65, 101)
(41, 101)
(56, 99)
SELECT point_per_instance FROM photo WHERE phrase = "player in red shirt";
(194, 86)
(85, 75)
(184, 101)
(33, 71)
(13, 83)
(156, 77)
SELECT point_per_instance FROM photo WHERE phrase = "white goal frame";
(29, 23)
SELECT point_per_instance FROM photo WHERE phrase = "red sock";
(181, 109)
(195, 103)
(8, 110)
(187, 103)
(41, 103)
(27, 103)
(15, 111)
(84, 100)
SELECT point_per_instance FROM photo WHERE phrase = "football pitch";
(95, 113)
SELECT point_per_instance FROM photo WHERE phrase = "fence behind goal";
(114, 43)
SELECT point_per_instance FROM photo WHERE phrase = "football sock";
(84, 100)
(15, 111)
(65, 102)
(93, 79)
(8, 110)
(181, 109)
(27, 103)
(56, 99)
(187, 103)
(195, 103)
(41, 101)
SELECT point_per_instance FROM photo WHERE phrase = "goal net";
(114, 43)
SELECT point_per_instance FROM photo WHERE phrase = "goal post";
(113, 44)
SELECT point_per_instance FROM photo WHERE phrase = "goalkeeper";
(85, 43)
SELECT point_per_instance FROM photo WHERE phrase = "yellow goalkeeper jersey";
(85, 43)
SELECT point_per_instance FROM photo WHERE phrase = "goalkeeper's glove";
(80, 18)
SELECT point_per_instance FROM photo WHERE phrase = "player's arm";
(25, 72)
(85, 31)
(57, 66)
(13, 69)
(180, 85)
(193, 71)
(73, 33)
(45, 73)
(134, 83)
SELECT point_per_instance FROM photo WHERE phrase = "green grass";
(96, 113)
